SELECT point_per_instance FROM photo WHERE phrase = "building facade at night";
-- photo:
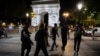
(46, 11)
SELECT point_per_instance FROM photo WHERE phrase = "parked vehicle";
(88, 32)
(95, 31)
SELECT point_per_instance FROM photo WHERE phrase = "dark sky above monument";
(17, 8)
(12, 8)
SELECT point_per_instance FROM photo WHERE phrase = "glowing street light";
(27, 15)
(32, 14)
(66, 15)
(79, 7)
(4, 24)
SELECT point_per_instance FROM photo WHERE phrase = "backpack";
(25, 35)
(37, 35)
(78, 30)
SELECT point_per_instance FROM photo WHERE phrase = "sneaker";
(63, 49)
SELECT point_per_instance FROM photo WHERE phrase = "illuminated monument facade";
(46, 11)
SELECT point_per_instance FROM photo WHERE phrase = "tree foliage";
(90, 13)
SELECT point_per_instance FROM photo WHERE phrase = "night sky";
(18, 8)
(13, 8)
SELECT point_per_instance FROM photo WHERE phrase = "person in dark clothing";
(54, 33)
(26, 41)
(40, 41)
(2, 31)
(64, 34)
(47, 34)
(77, 37)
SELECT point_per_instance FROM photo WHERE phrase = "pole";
(27, 19)
(27, 16)
(79, 16)
(65, 19)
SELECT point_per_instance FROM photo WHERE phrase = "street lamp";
(66, 15)
(4, 24)
(27, 16)
(79, 7)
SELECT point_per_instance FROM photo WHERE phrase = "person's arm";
(22, 36)
(31, 41)
(57, 33)
(68, 33)
(83, 31)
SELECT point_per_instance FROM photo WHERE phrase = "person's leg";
(68, 35)
(64, 44)
(38, 47)
(78, 45)
(75, 44)
(22, 50)
(47, 42)
(28, 51)
(52, 46)
(55, 44)
(44, 50)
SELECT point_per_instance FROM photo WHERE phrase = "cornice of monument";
(45, 2)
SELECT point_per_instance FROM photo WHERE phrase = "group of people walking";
(41, 38)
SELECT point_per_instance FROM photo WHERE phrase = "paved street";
(11, 46)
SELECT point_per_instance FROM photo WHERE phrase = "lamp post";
(79, 7)
(66, 14)
(27, 16)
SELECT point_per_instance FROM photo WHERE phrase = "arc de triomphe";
(40, 8)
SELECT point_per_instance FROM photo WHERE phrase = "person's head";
(26, 26)
(77, 23)
(45, 25)
(55, 25)
(41, 26)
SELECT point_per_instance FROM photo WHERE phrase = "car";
(87, 32)
(93, 32)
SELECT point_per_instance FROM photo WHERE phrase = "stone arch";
(46, 13)
(44, 17)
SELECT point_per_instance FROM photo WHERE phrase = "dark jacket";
(78, 31)
(54, 33)
(25, 37)
(64, 31)
(40, 36)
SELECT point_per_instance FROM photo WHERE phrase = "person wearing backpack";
(26, 41)
(47, 34)
(40, 39)
(77, 37)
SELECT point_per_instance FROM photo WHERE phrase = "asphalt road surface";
(11, 46)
